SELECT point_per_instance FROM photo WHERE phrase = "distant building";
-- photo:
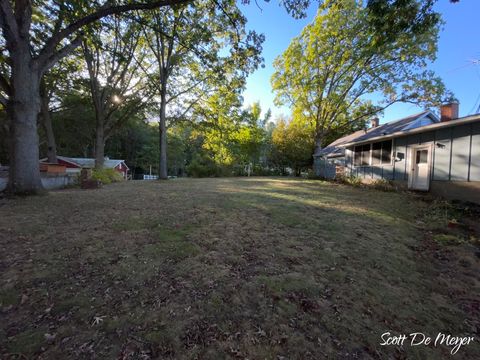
(74, 165)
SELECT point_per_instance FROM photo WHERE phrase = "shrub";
(204, 166)
(383, 185)
(310, 174)
(265, 171)
(349, 180)
(106, 176)
(448, 239)
(256, 170)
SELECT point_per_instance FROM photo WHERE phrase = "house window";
(381, 154)
(422, 156)
(387, 152)
(362, 155)
(376, 153)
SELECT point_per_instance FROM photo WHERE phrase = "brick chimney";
(449, 111)
(374, 122)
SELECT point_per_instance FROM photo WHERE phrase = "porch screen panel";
(362, 155)
(376, 153)
(387, 152)
(382, 153)
(357, 155)
(366, 155)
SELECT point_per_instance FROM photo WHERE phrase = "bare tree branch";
(56, 38)
(60, 54)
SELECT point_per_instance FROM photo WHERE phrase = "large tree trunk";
(23, 108)
(163, 172)
(318, 143)
(47, 126)
(99, 145)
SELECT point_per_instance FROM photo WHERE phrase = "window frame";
(370, 163)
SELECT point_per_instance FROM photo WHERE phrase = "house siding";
(400, 159)
(475, 153)
(460, 153)
(326, 168)
(442, 155)
(455, 157)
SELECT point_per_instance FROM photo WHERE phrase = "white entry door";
(420, 160)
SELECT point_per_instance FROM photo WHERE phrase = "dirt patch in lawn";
(260, 268)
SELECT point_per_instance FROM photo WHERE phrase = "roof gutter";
(460, 121)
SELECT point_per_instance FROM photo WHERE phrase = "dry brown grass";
(259, 268)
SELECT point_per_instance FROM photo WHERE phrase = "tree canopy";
(331, 73)
(378, 47)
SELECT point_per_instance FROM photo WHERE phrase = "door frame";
(412, 162)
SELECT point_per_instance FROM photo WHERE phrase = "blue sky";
(458, 47)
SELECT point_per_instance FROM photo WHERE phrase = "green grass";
(27, 342)
(258, 268)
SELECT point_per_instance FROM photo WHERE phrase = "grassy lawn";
(257, 268)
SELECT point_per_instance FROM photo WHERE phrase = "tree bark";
(163, 169)
(99, 145)
(318, 142)
(46, 121)
(23, 104)
(51, 143)
(23, 108)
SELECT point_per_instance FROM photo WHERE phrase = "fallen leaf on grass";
(97, 320)
(50, 337)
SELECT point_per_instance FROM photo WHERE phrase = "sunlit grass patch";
(448, 239)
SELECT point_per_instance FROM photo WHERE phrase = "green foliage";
(106, 176)
(234, 137)
(292, 146)
(349, 180)
(74, 126)
(177, 150)
(328, 71)
(137, 143)
(203, 165)
(383, 185)
(389, 18)
(201, 42)
(448, 239)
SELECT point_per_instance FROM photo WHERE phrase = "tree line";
(80, 78)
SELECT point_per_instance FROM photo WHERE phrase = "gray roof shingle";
(411, 122)
(90, 163)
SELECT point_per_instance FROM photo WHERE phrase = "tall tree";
(187, 42)
(54, 85)
(27, 60)
(249, 138)
(219, 116)
(74, 124)
(328, 72)
(113, 58)
(292, 146)
(30, 46)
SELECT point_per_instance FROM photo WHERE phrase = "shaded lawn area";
(259, 268)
